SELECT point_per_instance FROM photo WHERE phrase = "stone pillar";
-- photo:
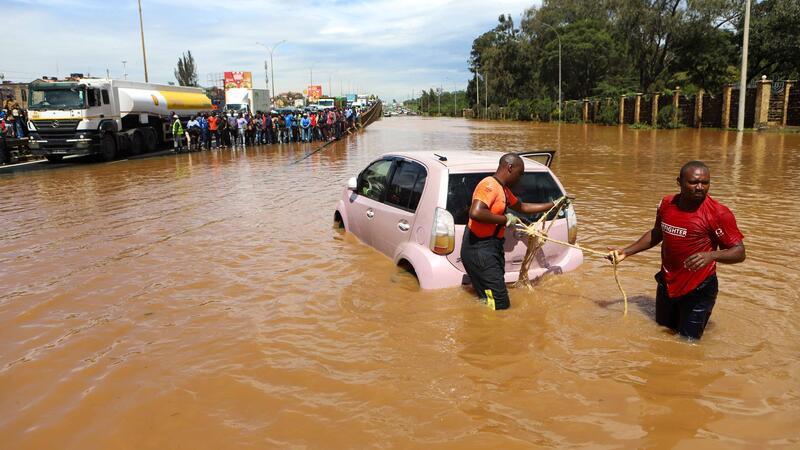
(585, 112)
(676, 104)
(654, 109)
(726, 106)
(786, 90)
(596, 108)
(637, 108)
(763, 91)
(621, 110)
(698, 108)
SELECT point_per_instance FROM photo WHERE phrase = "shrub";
(543, 109)
(669, 117)
(608, 115)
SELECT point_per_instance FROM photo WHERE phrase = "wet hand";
(698, 261)
(511, 219)
(616, 253)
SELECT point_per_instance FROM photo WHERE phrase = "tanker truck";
(104, 117)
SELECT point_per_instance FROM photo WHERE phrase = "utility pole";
(455, 93)
(486, 94)
(266, 80)
(144, 52)
(439, 100)
(743, 76)
(477, 95)
(272, 65)
(124, 69)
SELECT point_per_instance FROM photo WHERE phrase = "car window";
(406, 186)
(534, 187)
(105, 97)
(373, 180)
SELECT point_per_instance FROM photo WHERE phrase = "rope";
(534, 244)
(349, 131)
(540, 236)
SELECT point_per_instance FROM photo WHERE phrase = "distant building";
(18, 91)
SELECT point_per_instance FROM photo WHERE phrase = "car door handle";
(370, 214)
(403, 226)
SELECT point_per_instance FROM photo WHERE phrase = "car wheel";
(338, 223)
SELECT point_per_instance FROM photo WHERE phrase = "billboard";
(239, 80)
(351, 98)
(314, 93)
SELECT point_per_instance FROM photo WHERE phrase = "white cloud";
(383, 46)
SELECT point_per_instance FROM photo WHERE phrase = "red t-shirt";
(212, 123)
(495, 196)
(709, 227)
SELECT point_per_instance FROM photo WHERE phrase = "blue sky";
(388, 47)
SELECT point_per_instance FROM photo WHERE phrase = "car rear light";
(572, 225)
(443, 233)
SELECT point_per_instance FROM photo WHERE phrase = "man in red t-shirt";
(482, 246)
(695, 232)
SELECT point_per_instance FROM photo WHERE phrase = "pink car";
(413, 207)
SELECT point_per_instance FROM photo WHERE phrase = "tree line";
(616, 47)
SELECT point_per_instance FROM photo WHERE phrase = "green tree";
(186, 71)
(774, 40)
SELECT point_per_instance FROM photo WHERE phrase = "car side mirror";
(352, 184)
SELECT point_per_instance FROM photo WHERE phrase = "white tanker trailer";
(108, 118)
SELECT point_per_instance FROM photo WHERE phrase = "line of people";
(216, 130)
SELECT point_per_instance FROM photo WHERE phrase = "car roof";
(463, 160)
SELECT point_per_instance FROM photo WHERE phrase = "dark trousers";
(485, 262)
(687, 314)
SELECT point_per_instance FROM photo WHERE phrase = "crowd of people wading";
(238, 130)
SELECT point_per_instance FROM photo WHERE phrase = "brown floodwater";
(204, 301)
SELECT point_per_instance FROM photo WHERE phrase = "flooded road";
(205, 301)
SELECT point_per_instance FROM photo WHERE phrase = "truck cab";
(105, 117)
(68, 117)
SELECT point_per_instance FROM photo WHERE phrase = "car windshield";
(534, 187)
(56, 97)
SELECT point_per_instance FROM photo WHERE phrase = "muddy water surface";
(204, 301)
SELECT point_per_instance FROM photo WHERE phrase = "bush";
(573, 112)
(543, 109)
(669, 117)
(608, 115)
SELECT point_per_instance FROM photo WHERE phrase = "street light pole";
(124, 69)
(743, 76)
(439, 100)
(272, 65)
(455, 93)
(141, 31)
(559, 67)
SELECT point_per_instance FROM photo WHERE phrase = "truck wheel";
(108, 148)
(137, 142)
(150, 139)
(54, 158)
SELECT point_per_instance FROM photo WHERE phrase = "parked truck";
(242, 100)
(105, 117)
